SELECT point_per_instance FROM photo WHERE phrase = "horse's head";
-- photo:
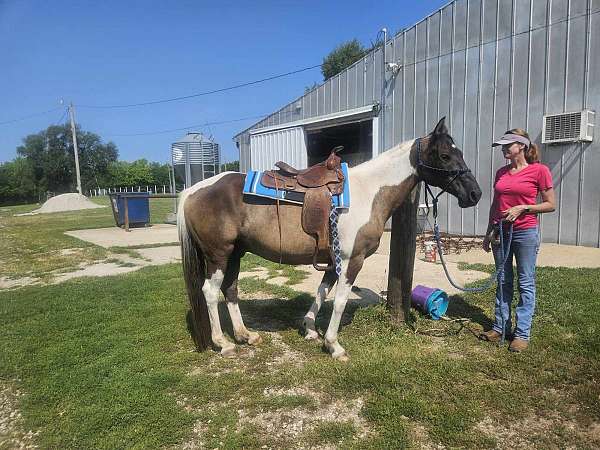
(440, 163)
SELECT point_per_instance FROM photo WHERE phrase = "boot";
(491, 336)
(518, 345)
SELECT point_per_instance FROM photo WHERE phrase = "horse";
(218, 224)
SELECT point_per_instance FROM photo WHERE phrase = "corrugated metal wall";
(285, 145)
(487, 65)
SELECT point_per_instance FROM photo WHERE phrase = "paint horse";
(217, 224)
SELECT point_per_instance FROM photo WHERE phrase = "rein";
(504, 251)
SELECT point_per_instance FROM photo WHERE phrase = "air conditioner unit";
(568, 127)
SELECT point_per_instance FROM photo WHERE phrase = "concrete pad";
(259, 273)
(372, 279)
(161, 255)
(154, 256)
(550, 255)
(95, 270)
(118, 237)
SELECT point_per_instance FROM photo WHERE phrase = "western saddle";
(314, 187)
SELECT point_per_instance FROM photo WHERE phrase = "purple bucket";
(431, 301)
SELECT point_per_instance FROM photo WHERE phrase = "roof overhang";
(328, 120)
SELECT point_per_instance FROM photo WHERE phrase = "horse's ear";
(440, 128)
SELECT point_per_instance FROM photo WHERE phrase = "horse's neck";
(392, 173)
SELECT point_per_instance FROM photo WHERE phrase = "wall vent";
(568, 127)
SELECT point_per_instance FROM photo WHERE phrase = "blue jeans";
(524, 248)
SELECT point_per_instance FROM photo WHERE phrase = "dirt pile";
(66, 202)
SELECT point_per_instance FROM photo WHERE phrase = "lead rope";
(503, 257)
(278, 220)
(335, 240)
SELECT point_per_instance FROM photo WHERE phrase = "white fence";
(154, 189)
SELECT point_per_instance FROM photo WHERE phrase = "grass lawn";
(108, 363)
(34, 246)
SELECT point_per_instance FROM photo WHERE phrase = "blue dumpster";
(138, 208)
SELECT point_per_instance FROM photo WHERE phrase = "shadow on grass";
(460, 308)
(276, 314)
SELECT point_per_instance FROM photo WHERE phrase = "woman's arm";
(491, 215)
(548, 202)
(548, 205)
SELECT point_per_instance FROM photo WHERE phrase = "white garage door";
(286, 145)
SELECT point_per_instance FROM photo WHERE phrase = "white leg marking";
(239, 329)
(310, 317)
(342, 292)
(210, 289)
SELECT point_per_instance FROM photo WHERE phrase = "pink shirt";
(521, 188)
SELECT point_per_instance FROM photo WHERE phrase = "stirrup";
(316, 264)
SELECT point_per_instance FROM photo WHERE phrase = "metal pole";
(73, 132)
(172, 186)
(202, 162)
(174, 191)
(188, 167)
(126, 213)
(383, 111)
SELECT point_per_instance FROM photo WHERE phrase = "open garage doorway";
(355, 137)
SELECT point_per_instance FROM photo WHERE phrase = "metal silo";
(195, 158)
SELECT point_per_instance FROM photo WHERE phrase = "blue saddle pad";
(253, 186)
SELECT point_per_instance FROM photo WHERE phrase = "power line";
(31, 115)
(63, 116)
(200, 94)
(403, 66)
(198, 125)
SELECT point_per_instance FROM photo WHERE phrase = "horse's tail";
(194, 274)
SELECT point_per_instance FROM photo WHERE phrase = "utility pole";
(72, 115)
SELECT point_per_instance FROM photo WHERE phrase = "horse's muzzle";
(471, 199)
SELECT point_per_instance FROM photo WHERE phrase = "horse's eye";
(444, 157)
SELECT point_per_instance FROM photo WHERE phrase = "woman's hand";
(486, 243)
(489, 239)
(511, 214)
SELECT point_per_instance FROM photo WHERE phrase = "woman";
(516, 189)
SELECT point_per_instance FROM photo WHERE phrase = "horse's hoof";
(311, 335)
(254, 339)
(342, 357)
(228, 352)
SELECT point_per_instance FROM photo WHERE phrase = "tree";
(137, 173)
(160, 173)
(95, 159)
(344, 55)
(307, 89)
(16, 182)
(134, 173)
(50, 155)
(233, 166)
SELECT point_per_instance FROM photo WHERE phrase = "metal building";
(488, 66)
(195, 158)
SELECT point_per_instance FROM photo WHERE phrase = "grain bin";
(195, 158)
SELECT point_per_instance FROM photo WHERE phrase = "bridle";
(428, 192)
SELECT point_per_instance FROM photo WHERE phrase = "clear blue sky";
(121, 52)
